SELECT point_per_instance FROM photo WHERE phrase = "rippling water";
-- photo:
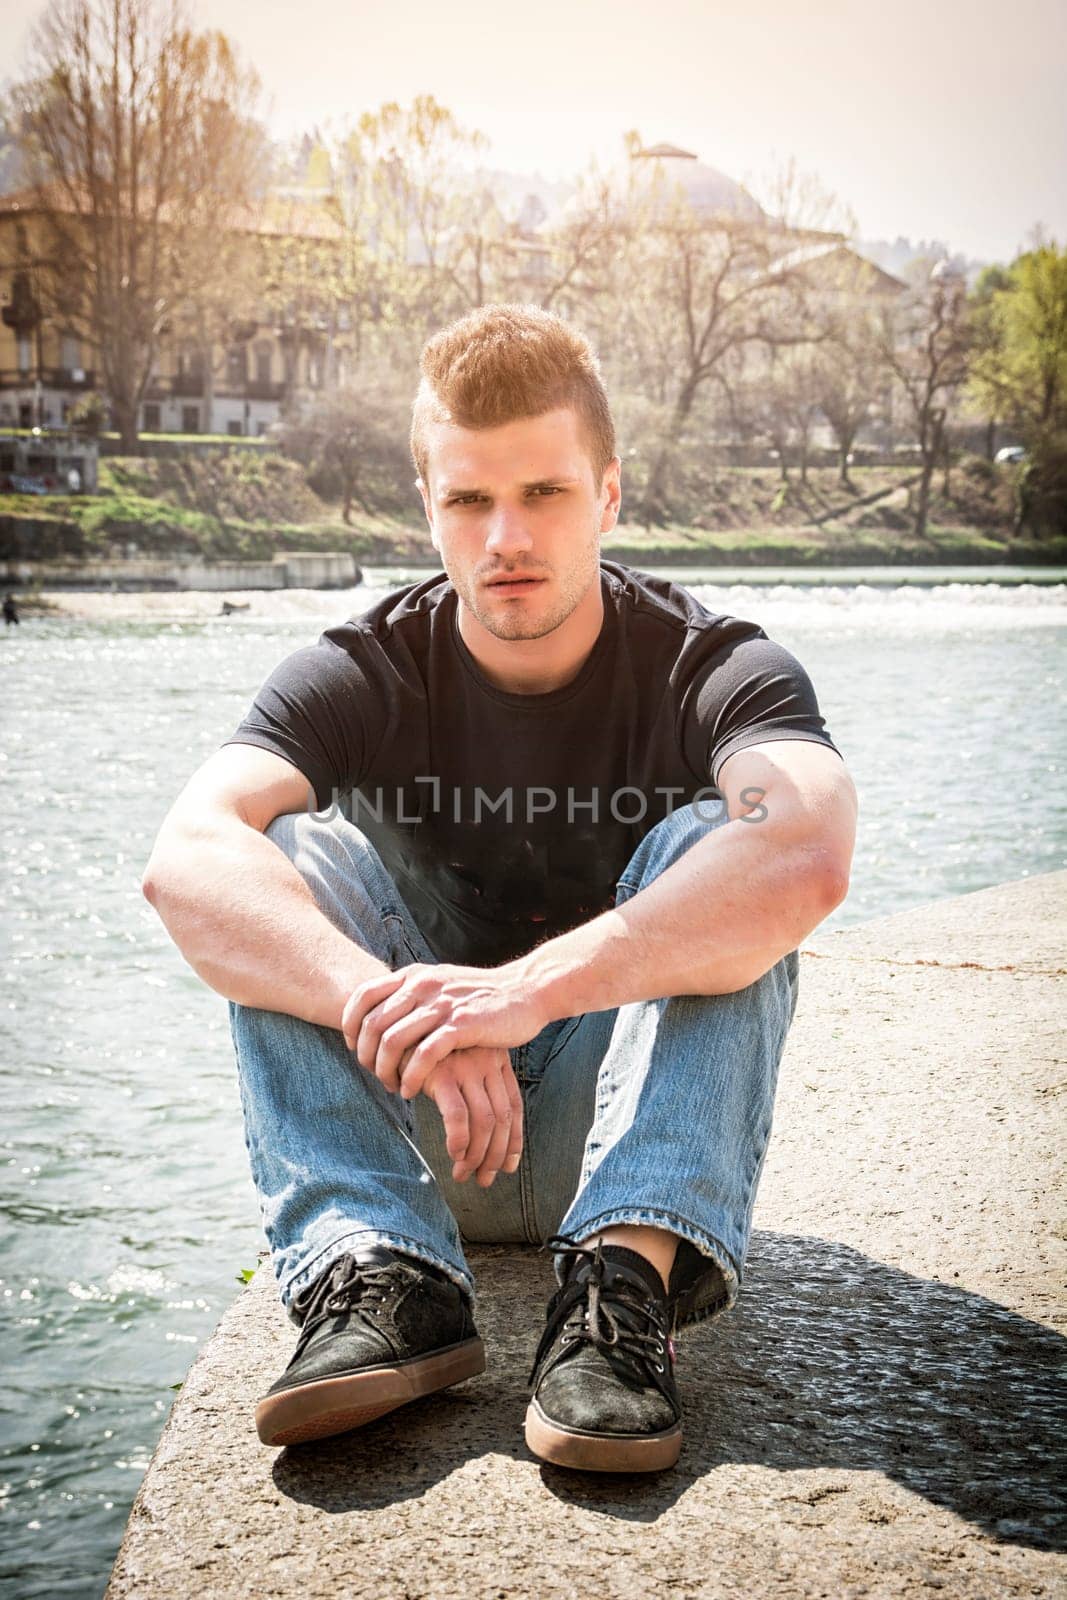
(126, 1211)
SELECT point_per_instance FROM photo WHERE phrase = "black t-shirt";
(505, 819)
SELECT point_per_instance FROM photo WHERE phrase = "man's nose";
(508, 533)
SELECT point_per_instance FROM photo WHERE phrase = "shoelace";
(616, 1317)
(332, 1295)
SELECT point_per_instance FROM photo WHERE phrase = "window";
(234, 429)
(262, 353)
(236, 367)
(190, 419)
(25, 352)
(152, 418)
(70, 353)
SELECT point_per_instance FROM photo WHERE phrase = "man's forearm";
(712, 923)
(247, 923)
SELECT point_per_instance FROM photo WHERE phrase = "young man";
(505, 880)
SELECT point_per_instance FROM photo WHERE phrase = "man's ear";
(610, 495)
(427, 507)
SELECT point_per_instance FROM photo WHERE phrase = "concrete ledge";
(876, 1417)
(290, 569)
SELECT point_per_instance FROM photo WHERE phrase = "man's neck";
(536, 666)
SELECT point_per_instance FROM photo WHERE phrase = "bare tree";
(689, 294)
(579, 246)
(925, 344)
(850, 378)
(353, 444)
(140, 132)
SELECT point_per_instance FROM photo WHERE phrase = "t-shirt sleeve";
(752, 692)
(311, 712)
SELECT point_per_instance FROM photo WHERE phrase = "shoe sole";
(600, 1452)
(334, 1405)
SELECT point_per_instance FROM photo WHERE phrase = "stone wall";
(288, 570)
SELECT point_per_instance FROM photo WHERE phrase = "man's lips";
(515, 582)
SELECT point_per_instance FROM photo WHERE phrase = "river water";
(126, 1211)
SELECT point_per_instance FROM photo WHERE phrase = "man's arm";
(234, 904)
(734, 904)
(712, 923)
(247, 923)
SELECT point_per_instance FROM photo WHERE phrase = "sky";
(934, 119)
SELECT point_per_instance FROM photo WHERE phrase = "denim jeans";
(656, 1113)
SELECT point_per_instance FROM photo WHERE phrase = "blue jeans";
(657, 1113)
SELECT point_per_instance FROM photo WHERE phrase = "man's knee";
(349, 883)
(319, 849)
(283, 831)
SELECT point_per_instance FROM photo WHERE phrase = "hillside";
(244, 505)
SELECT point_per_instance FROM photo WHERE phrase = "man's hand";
(404, 1023)
(481, 1107)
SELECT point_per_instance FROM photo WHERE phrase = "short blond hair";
(502, 363)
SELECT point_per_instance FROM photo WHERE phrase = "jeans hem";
(374, 1236)
(706, 1243)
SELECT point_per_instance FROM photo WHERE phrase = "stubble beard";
(513, 622)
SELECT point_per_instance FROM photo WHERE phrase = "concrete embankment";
(290, 569)
(876, 1417)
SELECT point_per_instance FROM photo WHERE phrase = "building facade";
(233, 380)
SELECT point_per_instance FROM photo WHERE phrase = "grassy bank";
(249, 505)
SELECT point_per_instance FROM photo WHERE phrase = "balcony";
(187, 385)
(182, 385)
(262, 389)
(179, 386)
(190, 386)
(75, 379)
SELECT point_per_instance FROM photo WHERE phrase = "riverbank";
(198, 605)
(387, 542)
(257, 506)
(872, 1418)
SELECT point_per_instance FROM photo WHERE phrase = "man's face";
(516, 513)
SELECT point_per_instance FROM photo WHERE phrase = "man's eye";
(546, 489)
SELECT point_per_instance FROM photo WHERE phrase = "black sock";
(637, 1263)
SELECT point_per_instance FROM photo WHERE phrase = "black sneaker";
(376, 1332)
(605, 1398)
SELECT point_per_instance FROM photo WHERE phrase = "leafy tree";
(310, 289)
(403, 181)
(984, 390)
(1019, 374)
